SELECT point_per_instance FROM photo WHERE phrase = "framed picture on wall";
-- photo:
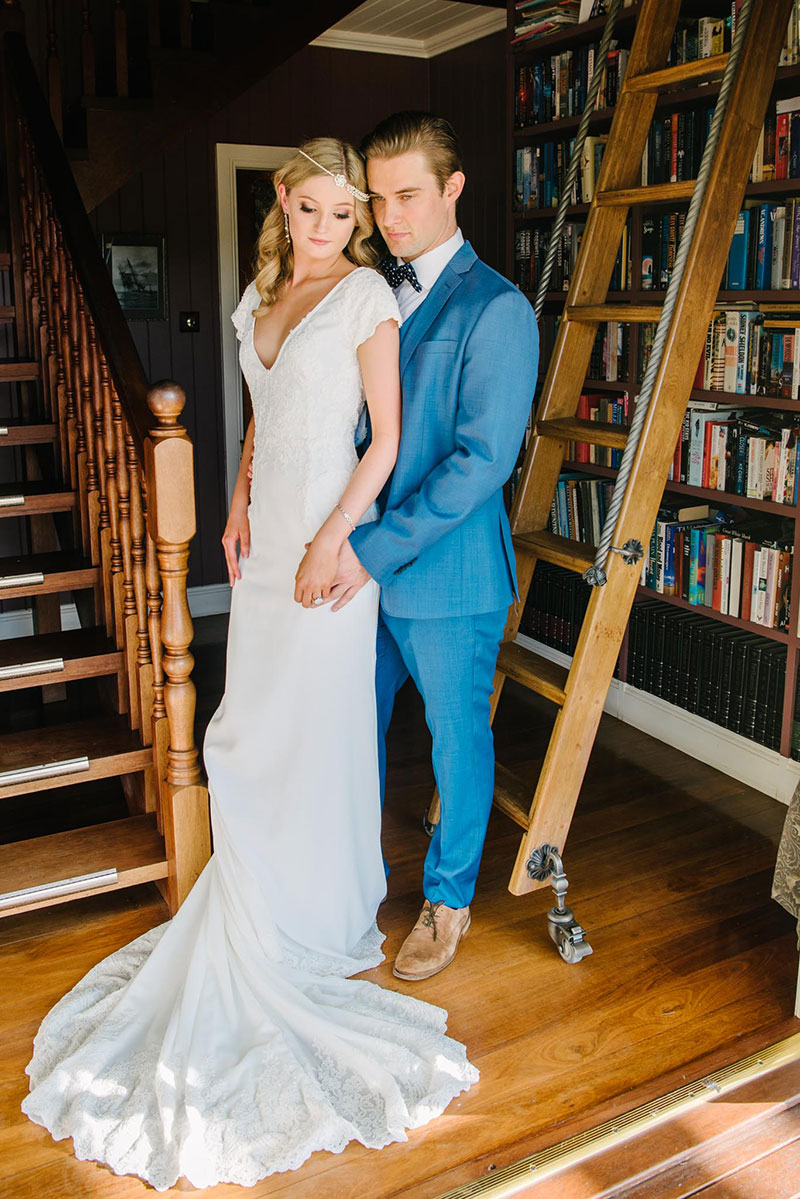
(136, 262)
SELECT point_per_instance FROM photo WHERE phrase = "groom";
(442, 550)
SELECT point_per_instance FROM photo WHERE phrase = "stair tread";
(52, 562)
(15, 431)
(18, 368)
(34, 487)
(650, 193)
(638, 314)
(532, 670)
(132, 845)
(7, 312)
(594, 431)
(98, 738)
(69, 645)
(561, 551)
(512, 795)
(685, 72)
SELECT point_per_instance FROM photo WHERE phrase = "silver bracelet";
(346, 515)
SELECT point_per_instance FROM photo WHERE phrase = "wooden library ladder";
(579, 693)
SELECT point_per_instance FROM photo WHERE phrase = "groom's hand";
(350, 578)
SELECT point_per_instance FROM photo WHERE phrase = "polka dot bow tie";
(396, 274)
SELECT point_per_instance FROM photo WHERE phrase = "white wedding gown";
(229, 1043)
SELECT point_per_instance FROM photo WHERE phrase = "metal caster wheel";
(565, 932)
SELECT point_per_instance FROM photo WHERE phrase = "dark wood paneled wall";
(317, 91)
(468, 87)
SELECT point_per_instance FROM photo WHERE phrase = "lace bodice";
(307, 405)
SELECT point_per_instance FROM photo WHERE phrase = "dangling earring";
(286, 226)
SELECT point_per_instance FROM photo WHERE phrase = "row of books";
(530, 251)
(754, 454)
(609, 359)
(765, 248)
(538, 18)
(579, 507)
(729, 676)
(732, 677)
(674, 145)
(752, 352)
(777, 154)
(554, 88)
(738, 570)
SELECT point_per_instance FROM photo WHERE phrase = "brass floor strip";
(513, 1179)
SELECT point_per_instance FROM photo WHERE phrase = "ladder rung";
(533, 671)
(669, 77)
(634, 314)
(512, 796)
(594, 431)
(559, 551)
(653, 193)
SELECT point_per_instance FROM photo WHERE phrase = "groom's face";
(411, 210)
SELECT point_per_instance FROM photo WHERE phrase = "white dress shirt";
(428, 267)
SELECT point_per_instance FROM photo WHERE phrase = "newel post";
(169, 474)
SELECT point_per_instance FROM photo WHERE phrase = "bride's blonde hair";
(275, 255)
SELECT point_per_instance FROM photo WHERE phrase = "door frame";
(229, 157)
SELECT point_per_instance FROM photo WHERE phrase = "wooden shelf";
(573, 35)
(701, 610)
(701, 493)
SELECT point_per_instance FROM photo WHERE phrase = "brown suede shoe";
(432, 943)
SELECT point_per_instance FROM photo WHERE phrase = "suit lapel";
(418, 324)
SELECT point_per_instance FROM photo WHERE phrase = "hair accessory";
(338, 179)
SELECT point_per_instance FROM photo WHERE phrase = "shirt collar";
(429, 266)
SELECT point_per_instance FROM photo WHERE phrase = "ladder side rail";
(609, 606)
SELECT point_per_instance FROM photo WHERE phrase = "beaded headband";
(338, 179)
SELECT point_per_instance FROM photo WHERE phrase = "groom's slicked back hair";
(407, 132)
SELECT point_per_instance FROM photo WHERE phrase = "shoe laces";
(428, 917)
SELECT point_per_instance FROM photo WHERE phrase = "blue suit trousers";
(452, 661)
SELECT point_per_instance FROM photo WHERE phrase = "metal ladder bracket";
(565, 932)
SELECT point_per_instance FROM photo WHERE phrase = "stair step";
(633, 314)
(594, 431)
(99, 748)
(57, 658)
(7, 313)
(27, 498)
(652, 193)
(535, 672)
(5, 262)
(18, 370)
(19, 432)
(512, 796)
(43, 574)
(558, 551)
(132, 847)
(670, 77)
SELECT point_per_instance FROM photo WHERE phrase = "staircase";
(159, 67)
(103, 499)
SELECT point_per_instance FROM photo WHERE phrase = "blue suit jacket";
(468, 361)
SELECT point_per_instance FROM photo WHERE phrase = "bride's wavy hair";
(274, 254)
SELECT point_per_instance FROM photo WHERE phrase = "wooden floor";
(694, 966)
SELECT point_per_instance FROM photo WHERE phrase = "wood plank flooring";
(694, 966)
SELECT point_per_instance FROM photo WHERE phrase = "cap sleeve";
(243, 315)
(376, 304)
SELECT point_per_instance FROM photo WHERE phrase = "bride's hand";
(316, 572)
(237, 532)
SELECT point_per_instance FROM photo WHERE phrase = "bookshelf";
(684, 100)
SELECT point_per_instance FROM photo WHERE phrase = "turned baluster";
(29, 275)
(69, 354)
(87, 463)
(171, 523)
(60, 327)
(51, 339)
(144, 665)
(87, 50)
(114, 545)
(160, 724)
(54, 69)
(126, 541)
(121, 47)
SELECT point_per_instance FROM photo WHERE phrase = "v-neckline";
(269, 369)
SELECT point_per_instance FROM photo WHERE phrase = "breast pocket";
(440, 346)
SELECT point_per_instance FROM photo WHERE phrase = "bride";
(230, 1042)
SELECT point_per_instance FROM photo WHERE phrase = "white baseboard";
(203, 601)
(742, 759)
